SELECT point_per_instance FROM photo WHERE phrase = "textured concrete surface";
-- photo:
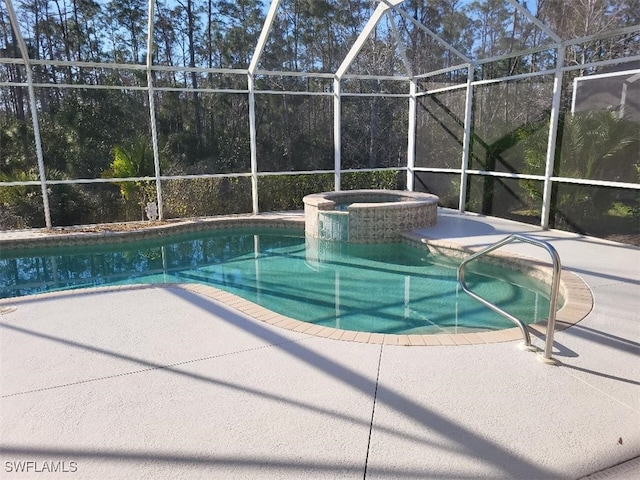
(629, 470)
(164, 382)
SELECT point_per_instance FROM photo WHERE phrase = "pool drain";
(5, 310)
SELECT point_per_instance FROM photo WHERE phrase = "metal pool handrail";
(553, 299)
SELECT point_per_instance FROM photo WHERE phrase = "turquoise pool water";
(385, 288)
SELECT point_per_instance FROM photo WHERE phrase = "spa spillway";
(367, 216)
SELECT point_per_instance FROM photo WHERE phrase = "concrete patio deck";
(167, 382)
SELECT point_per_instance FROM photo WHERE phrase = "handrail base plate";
(528, 348)
(547, 361)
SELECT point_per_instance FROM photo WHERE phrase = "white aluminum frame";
(384, 8)
(634, 77)
(34, 116)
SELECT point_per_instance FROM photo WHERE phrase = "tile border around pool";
(577, 306)
(577, 295)
(565, 318)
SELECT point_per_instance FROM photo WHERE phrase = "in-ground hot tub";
(367, 216)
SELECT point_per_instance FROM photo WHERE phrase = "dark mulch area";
(629, 239)
(108, 227)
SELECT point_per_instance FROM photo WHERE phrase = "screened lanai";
(525, 110)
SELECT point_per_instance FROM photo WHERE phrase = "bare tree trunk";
(373, 132)
(194, 76)
(65, 39)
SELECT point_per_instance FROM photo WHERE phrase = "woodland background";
(202, 118)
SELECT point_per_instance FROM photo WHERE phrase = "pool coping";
(77, 235)
(577, 295)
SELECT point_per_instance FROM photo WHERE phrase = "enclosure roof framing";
(424, 53)
(400, 46)
(382, 7)
(535, 20)
(264, 35)
(428, 31)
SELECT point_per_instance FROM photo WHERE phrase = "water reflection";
(390, 288)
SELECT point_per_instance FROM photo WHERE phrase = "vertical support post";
(623, 99)
(573, 95)
(253, 67)
(553, 135)
(40, 156)
(34, 113)
(411, 141)
(466, 139)
(152, 111)
(252, 143)
(337, 138)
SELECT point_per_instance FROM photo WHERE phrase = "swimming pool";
(384, 288)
